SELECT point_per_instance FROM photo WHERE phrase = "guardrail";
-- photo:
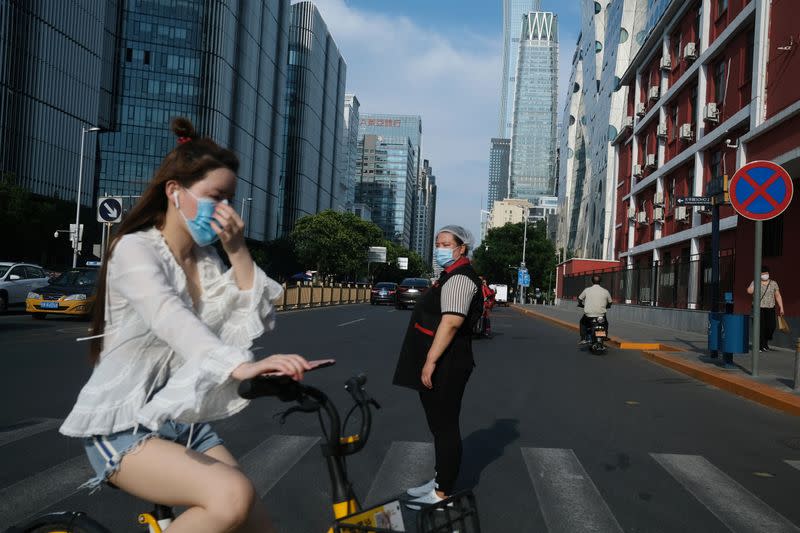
(304, 295)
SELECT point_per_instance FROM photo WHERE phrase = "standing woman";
(436, 357)
(172, 332)
(770, 300)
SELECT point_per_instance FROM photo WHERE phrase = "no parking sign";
(761, 190)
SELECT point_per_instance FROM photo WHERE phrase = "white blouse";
(156, 341)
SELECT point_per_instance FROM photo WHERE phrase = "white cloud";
(396, 66)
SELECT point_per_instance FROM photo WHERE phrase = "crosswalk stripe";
(268, 462)
(406, 464)
(562, 487)
(736, 507)
(45, 489)
(26, 429)
(793, 464)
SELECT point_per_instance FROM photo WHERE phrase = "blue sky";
(440, 59)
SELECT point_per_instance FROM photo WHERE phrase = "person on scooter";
(488, 303)
(594, 300)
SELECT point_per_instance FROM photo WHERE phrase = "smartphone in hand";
(321, 363)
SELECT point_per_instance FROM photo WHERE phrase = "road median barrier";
(304, 295)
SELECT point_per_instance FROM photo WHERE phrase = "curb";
(659, 353)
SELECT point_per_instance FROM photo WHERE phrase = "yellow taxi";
(71, 293)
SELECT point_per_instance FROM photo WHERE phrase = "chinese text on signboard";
(385, 122)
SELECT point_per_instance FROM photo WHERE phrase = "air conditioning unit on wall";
(681, 213)
(686, 132)
(632, 213)
(658, 214)
(641, 109)
(655, 92)
(658, 198)
(651, 161)
(662, 131)
(711, 113)
(665, 64)
(637, 171)
(690, 52)
(627, 122)
(641, 218)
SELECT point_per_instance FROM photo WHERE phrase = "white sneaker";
(422, 490)
(428, 499)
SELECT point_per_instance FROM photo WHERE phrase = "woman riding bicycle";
(171, 343)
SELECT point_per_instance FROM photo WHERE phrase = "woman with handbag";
(770, 299)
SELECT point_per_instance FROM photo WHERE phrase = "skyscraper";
(499, 159)
(388, 168)
(424, 213)
(315, 117)
(533, 132)
(349, 153)
(513, 10)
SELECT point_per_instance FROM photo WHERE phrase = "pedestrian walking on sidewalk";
(436, 357)
(771, 301)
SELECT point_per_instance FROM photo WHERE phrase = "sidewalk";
(686, 352)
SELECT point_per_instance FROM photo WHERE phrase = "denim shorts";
(106, 452)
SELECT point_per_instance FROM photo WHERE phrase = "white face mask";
(765, 277)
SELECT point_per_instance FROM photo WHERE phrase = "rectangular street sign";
(376, 254)
(693, 200)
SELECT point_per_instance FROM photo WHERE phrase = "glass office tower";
(315, 116)
(388, 169)
(533, 137)
(513, 11)
(349, 152)
(499, 159)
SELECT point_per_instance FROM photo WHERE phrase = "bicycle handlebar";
(311, 399)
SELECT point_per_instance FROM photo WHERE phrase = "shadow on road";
(483, 447)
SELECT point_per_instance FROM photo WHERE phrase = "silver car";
(16, 280)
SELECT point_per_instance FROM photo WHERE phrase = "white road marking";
(268, 462)
(351, 322)
(735, 506)
(405, 465)
(569, 500)
(27, 428)
(45, 489)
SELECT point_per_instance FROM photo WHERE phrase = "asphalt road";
(555, 439)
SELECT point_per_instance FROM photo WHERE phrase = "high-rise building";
(533, 132)
(513, 11)
(424, 213)
(349, 153)
(129, 67)
(499, 159)
(315, 117)
(388, 168)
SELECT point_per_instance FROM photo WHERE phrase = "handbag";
(783, 325)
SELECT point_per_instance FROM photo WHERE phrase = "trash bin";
(714, 332)
(735, 333)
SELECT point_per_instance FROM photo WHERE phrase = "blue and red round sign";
(760, 190)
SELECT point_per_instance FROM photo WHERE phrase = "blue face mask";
(444, 256)
(200, 226)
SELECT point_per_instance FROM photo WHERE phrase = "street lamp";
(77, 235)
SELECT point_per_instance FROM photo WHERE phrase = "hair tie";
(184, 140)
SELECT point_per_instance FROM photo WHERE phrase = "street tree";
(500, 253)
(334, 243)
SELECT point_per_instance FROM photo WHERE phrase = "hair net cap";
(459, 231)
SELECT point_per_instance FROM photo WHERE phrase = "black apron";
(422, 328)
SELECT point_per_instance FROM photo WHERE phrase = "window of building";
(671, 192)
(676, 49)
(716, 171)
(722, 6)
(719, 83)
(675, 125)
(128, 55)
(748, 57)
(773, 237)
(698, 20)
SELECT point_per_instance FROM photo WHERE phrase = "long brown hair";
(191, 159)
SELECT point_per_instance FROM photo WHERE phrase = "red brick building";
(715, 85)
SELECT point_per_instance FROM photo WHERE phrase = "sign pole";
(715, 263)
(756, 334)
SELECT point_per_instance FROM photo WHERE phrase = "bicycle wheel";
(67, 522)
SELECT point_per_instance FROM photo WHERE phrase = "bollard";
(797, 365)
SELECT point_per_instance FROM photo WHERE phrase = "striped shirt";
(457, 293)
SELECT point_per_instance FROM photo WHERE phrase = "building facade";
(711, 89)
(499, 160)
(513, 11)
(425, 213)
(533, 132)
(508, 211)
(347, 191)
(388, 169)
(593, 117)
(129, 67)
(314, 118)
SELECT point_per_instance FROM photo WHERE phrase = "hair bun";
(183, 128)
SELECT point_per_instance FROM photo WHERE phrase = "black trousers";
(442, 406)
(767, 325)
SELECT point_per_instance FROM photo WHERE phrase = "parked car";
(383, 292)
(411, 290)
(16, 280)
(72, 293)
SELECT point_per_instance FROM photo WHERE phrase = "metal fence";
(302, 295)
(682, 283)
